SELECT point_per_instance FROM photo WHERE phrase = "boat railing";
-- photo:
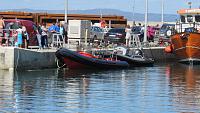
(181, 27)
(8, 37)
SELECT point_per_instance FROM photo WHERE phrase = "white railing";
(8, 37)
(180, 27)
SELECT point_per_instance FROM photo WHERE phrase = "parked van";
(166, 30)
(96, 33)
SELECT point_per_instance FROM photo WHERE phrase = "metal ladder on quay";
(58, 40)
(136, 41)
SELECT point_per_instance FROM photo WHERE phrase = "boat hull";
(186, 46)
(76, 60)
(136, 61)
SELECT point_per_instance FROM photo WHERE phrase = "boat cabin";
(189, 18)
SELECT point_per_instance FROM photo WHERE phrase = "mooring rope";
(57, 62)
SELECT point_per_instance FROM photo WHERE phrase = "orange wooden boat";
(187, 47)
(186, 40)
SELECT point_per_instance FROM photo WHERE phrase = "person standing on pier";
(65, 26)
(150, 33)
(51, 30)
(25, 37)
(44, 36)
(2, 25)
(39, 33)
(19, 37)
(128, 35)
(62, 30)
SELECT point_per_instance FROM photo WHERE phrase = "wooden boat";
(135, 57)
(80, 60)
(186, 40)
(187, 47)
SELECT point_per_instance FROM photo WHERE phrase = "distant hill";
(129, 15)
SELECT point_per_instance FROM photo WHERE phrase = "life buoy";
(169, 33)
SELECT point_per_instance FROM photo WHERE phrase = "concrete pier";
(16, 58)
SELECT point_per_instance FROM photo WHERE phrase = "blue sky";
(171, 6)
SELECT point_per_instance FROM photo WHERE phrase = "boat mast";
(146, 18)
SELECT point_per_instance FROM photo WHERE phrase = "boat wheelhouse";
(189, 18)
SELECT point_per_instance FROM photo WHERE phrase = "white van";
(96, 33)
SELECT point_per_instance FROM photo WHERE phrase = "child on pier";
(19, 37)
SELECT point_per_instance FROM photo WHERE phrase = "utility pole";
(101, 15)
(133, 12)
(199, 4)
(162, 16)
(66, 10)
(146, 18)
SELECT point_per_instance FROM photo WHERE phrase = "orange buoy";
(168, 49)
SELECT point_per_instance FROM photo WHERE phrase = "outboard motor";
(120, 50)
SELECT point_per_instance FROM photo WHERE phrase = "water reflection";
(171, 88)
(52, 90)
(6, 91)
(185, 86)
(185, 74)
(33, 90)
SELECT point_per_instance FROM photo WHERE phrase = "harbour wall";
(25, 59)
(159, 55)
(6, 58)
(16, 58)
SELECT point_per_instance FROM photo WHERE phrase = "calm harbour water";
(164, 88)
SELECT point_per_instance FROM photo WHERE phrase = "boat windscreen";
(197, 18)
(189, 18)
(182, 19)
